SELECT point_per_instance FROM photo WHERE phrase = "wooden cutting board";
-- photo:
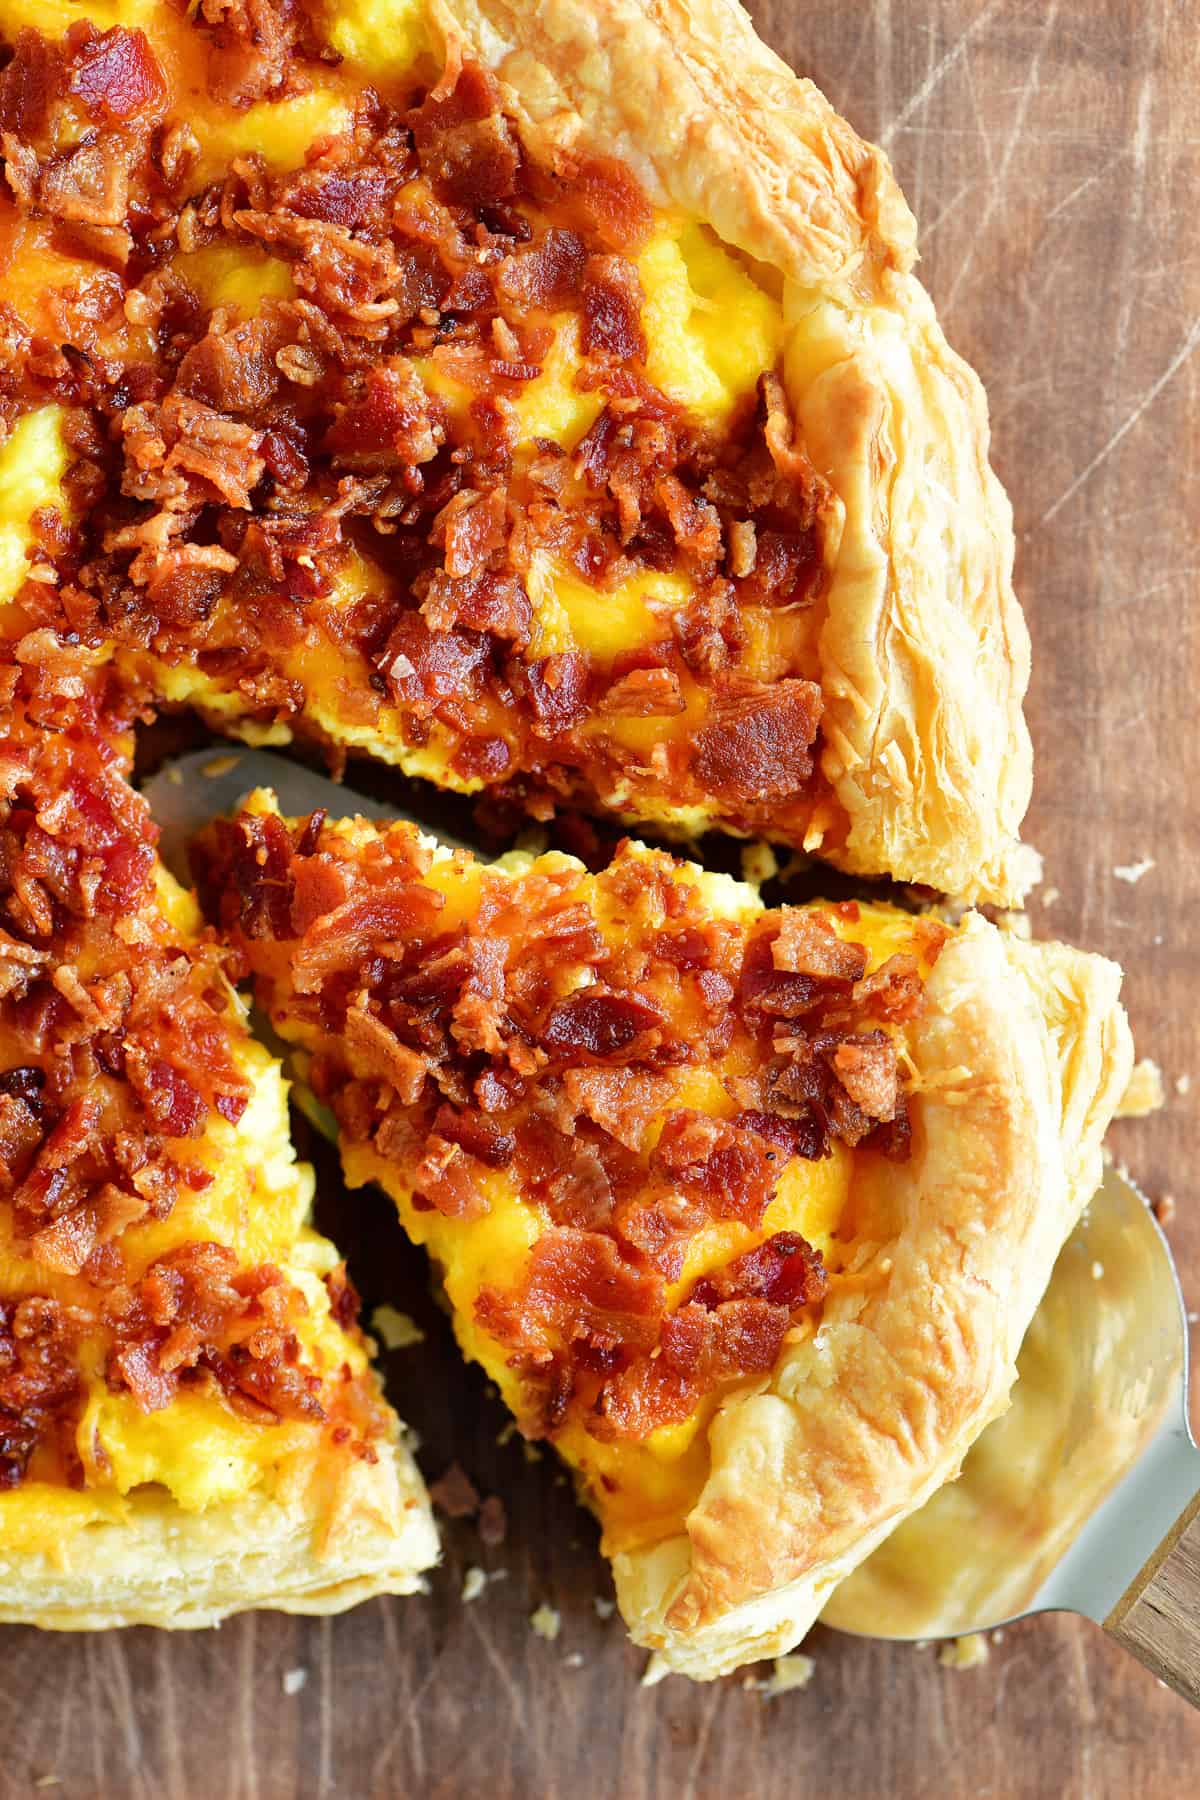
(1050, 150)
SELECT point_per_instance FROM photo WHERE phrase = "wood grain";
(1050, 149)
(1158, 1619)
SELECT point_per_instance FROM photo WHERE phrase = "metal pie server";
(1084, 1496)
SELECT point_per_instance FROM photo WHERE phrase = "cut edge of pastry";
(368, 1531)
(924, 653)
(854, 1431)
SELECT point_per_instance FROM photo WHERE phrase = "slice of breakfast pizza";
(746, 1211)
(531, 393)
(189, 1423)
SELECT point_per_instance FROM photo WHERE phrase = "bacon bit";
(894, 992)
(117, 76)
(612, 304)
(808, 945)
(454, 1493)
(622, 1101)
(759, 747)
(644, 694)
(867, 1070)
(604, 1025)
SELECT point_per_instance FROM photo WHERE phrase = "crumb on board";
(474, 1582)
(1164, 1208)
(492, 1524)
(546, 1622)
(788, 1673)
(574, 1660)
(1133, 872)
(1143, 1092)
(657, 1669)
(454, 1493)
(1183, 1084)
(48, 1781)
(294, 1680)
(394, 1329)
(1050, 895)
(1097, 1271)
(604, 1608)
(964, 1652)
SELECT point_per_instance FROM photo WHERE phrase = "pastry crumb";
(474, 1582)
(546, 1622)
(48, 1781)
(1164, 1208)
(1183, 1084)
(964, 1652)
(221, 765)
(657, 1669)
(998, 1635)
(1143, 1092)
(604, 1608)
(759, 863)
(1050, 895)
(1097, 1271)
(574, 1660)
(1133, 872)
(294, 1680)
(395, 1330)
(788, 1673)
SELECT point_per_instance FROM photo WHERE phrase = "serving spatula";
(1084, 1496)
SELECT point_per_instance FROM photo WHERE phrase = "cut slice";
(746, 1211)
(361, 391)
(189, 1422)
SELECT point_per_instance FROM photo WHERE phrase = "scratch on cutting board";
(997, 187)
(937, 74)
(1185, 350)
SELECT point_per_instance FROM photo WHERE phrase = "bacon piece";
(726, 1168)
(622, 1101)
(117, 77)
(808, 945)
(603, 1025)
(425, 668)
(644, 694)
(759, 746)
(467, 146)
(30, 81)
(867, 1069)
(612, 304)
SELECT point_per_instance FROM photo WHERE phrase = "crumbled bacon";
(129, 1038)
(232, 463)
(454, 1054)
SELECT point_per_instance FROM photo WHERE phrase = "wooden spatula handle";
(1158, 1615)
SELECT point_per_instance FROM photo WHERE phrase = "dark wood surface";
(1051, 150)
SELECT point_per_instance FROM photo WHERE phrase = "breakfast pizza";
(189, 1424)
(534, 396)
(537, 398)
(746, 1211)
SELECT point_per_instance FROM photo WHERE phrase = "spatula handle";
(1158, 1615)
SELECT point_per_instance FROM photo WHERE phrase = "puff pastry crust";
(1019, 1063)
(319, 1549)
(1016, 1055)
(924, 653)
